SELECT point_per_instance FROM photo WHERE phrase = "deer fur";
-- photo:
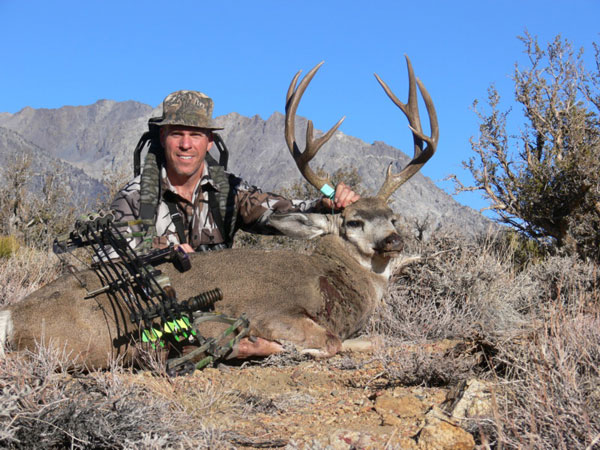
(313, 301)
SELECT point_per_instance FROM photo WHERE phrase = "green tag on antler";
(328, 191)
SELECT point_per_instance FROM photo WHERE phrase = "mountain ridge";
(83, 190)
(100, 138)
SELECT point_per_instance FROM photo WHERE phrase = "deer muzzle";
(392, 245)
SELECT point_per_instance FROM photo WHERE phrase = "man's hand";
(186, 248)
(343, 197)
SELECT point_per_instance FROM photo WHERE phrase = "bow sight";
(147, 293)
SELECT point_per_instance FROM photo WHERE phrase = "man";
(184, 212)
(199, 206)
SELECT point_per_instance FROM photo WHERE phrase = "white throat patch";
(6, 329)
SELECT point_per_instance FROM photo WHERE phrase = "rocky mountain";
(266, 162)
(15, 150)
(94, 138)
(100, 138)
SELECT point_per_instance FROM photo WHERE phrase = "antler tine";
(312, 145)
(411, 111)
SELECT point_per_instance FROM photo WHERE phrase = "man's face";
(185, 149)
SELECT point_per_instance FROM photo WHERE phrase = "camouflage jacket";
(253, 207)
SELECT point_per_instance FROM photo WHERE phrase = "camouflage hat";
(189, 108)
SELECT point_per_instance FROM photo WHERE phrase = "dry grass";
(25, 271)
(551, 398)
(462, 290)
(532, 328)
(45, 407)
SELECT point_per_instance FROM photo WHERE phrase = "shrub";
(532, 328)
(24, 271)
(34, 216)
(8, 246)
(544, 180)
(461, 289)
(45, 409)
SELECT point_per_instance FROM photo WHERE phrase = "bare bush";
(460, 290)
(34, 209)
(422, 364)
(550, 379)
(45, 409)
(532, 327)
(551, 398)
(543, 179)
(565, 281)
(25, 271)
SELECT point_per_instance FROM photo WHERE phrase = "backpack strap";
(222, 203)
(150, 183)
(215, 210)
(176, 219)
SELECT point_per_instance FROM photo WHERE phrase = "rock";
(347, 439)
(405, 412)
(404, 406)
(445, 436)
(440, 433)
(471, 399)
(363, 344)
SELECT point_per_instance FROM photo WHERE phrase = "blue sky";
(244, 54)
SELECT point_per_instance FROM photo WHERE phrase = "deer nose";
(392, 242)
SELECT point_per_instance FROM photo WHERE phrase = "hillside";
(101, 137)
(14, 148)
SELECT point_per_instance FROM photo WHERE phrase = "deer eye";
(354, 223)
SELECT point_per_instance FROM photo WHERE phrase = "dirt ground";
(341, 403)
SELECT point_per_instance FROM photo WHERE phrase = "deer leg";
(247, 348)
(312, 338)
(319, 342)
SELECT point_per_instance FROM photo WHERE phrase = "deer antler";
(312, 145)
(411, 111)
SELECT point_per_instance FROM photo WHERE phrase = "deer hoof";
(316, 353)
(361, 344)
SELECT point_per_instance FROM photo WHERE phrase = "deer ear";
(301, 225)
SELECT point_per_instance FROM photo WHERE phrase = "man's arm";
(126, 204)
(125, 207)
(255, 206)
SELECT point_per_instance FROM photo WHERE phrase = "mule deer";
(314, 301)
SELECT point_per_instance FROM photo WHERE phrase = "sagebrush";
(544, 178)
